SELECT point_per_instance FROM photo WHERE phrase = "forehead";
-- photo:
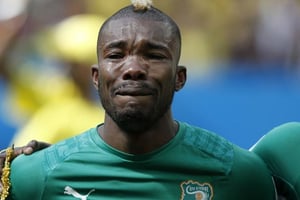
(130, 28)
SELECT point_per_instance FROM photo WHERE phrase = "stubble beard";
(135, 120)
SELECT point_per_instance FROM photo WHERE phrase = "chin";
(134, 122)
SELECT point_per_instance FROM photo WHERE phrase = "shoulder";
(45, 160)
(219, 148)
(279, 149)
(287, 130)
(29, 173)
(66, 149)
(206, 141)
(279, 141)
(251, 175)
(208, 145)
(244, 171)
(247, 161)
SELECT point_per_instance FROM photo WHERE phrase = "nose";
(135, 69)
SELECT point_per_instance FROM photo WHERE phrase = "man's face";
(137, 71)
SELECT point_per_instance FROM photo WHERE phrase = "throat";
(138, 143)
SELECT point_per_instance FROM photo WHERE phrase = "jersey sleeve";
(27, 177)
(280, 150)
(252, 178)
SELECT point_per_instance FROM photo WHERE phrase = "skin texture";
(136, 78)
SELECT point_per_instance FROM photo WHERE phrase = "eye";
(114, 56)
(156, 56)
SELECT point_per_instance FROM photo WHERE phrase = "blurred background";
(243, 60)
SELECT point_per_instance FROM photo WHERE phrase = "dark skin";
(137, 75)
(136, 78)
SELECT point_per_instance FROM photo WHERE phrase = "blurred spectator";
(72, 44)
(269, 37)
(12, 18)
(29, 64)
(278, 32)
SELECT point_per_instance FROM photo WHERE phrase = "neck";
(159, 134)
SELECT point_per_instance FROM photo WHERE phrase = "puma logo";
(74, 193)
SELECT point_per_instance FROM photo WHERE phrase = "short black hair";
(147, 14)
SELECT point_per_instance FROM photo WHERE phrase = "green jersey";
(280, 149)
(195, 165)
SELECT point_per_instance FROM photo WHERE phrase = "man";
(140, 151)
(279, 149)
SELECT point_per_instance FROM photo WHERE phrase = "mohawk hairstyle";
(141, 4)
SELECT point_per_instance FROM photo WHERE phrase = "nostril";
(141, 76)
(126, 77)
(132, 74)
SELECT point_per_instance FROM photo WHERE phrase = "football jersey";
(195, 165)
(280, 149)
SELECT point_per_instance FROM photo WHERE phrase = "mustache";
(128, 85)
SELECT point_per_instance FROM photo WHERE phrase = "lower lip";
(131, 97)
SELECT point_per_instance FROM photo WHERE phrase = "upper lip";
(134, 89)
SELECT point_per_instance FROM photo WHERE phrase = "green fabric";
(195, 164)
(280, 149)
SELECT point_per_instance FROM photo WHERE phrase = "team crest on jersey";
(193, 190)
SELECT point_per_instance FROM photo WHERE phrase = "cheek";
(167, 84)
(107, 78)
(106, 68)
(101, 80)
(168, 76)
(103, 83)
(106, 72)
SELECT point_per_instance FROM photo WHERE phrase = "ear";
(95, 75)
(180, 77)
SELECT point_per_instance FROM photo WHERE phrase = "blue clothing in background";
(241, 104)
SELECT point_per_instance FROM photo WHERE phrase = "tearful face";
(137, 70)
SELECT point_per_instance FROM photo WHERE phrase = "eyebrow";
(157, 46)
(152, 45)
(115, 44)
(148, 45)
